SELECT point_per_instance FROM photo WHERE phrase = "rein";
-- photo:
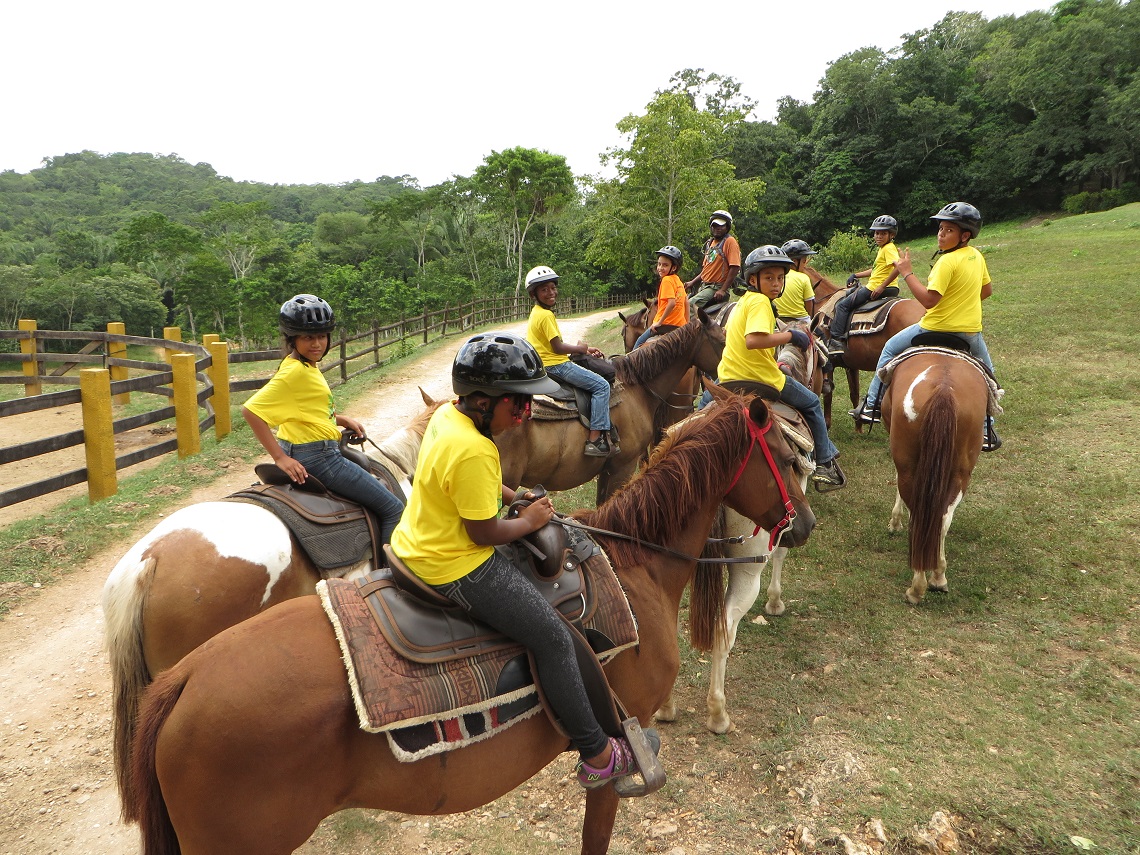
(743, 559)
(756, 434)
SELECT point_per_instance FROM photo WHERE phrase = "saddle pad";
(461, 701)
(993, 406)
(793, 425)
(543, 408)
(342, 540)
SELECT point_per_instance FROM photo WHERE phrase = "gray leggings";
(497, 594)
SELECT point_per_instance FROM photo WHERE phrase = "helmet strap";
(481, 414)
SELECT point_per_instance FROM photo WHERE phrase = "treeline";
(1018, 115)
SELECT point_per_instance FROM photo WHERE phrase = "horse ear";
(645, 301)
(428, 399)
(718, 392)
(624, 319)
(703, 315)
(758, 411)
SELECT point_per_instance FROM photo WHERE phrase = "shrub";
(845, 253)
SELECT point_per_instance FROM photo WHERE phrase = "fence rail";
(197, 379)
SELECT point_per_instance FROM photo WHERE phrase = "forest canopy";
(1018, 115)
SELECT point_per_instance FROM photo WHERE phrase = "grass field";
(1013, 701)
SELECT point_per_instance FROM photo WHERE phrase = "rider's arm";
(762, 341)
(987, 290)
(927, 299)
(495, 531)
(733, 272)
(290, 466)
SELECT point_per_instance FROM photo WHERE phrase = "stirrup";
(645, 745)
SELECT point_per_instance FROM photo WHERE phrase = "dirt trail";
(57, 792)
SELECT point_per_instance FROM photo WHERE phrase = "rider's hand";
(538, 513)
(800, 339)
(852, 280)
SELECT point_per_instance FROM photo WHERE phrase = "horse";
(935, 410)
(250, 741)
(745, 577)
(679, 404)
(550, 452)
(862, 353)
(204, 568)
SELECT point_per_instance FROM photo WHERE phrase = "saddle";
(868, 319)
(333, 531)
(791, 421)
(571, 402)
(949, 345)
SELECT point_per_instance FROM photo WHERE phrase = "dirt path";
(57, 792)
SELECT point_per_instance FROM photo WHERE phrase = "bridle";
(757, 437)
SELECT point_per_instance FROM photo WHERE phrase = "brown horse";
(550, 452)
(679, 402)
(251, 740)
(935, 411)
(863, 351)
(203, 569)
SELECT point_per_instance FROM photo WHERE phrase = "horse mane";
(796, 361)
(640, 366)
(697, 459)
(936, 459)
(402, 448)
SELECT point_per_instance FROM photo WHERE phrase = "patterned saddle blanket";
(993, 404)
(868, 319)
(423, 688)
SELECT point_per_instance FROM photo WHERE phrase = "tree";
(523, 186)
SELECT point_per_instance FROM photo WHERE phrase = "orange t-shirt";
(718, 258)
(671, 288)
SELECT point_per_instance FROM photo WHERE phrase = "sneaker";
(837, 346)
(990, 440)
(621, 764)
(597, 448)
(828, 476)
(864, 415)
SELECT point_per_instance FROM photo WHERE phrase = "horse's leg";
(668, 710)
(775, 604)
(853, 393)
(938, 577)
(743, 589)
(898, 515)
(598, 824)
(827, 391)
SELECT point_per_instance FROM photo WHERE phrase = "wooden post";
(171, 334)
(118, 350)
(98, 433)
(220, 377)
(31, 368)
(343, 356)
(186, 404)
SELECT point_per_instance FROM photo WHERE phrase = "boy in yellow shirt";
(879, 277)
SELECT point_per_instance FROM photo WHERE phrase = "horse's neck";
(666, 381)
(399, 452)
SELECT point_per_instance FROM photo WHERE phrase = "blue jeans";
(498, 594)
(650, 333)
(798, 395)
(575, 375)
(324, 461)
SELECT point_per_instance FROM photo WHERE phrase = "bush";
(845, 253)
(1087, 201)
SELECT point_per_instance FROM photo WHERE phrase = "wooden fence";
(196, 380)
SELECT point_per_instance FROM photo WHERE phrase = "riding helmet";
(537, 276)
(499, 363)
(306, 314)
(796, 248)
(765, 256)
(724, 217)
(964, 214)
(885, 223)
(672, 253)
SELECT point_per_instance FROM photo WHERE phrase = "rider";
(448, 535)
(298, 403)
(672, 304)
(959, 282)
(882, 273)
(543, 334)
(798, 300)
(721, 263)
(750, 356)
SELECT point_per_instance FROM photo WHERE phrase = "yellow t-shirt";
(797, 291)
(541, 329)
(753, 314)
(458, 477)
(959, 277)
(297, 402)
(884, 265)
(671, 287)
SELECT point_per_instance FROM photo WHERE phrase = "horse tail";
(123, 597)
(706, 606)
(936, 463)
(149, 806)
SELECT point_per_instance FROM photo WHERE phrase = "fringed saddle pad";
(544, 408)
(794, 426)
(868, 319)
(429, 708)
(993, 406)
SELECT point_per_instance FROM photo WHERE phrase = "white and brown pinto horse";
(201, 570)
(935, 410)
(252, 739)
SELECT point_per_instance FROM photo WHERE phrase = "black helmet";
(720, 215)
(498, 363)
(885, 223)
(964, 214)
(671, 252)
(765, 256)
(306, 315)
(796, 248)
(538, 276)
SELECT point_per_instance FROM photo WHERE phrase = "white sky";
(301, 93)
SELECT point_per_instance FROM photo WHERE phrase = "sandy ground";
(57, 792)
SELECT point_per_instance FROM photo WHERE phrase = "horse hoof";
(720, 726)
(912, 599)
(775, 609)
(668, 713)
(940, 589)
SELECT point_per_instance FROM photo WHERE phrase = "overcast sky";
(301, 93)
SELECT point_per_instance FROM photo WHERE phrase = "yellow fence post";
(31, 368)
(220, 377)
(118, 350)
(186, 404)
(171, 334)
(98, 433)
(209, 338)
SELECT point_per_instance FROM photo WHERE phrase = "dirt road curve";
(57, 792)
